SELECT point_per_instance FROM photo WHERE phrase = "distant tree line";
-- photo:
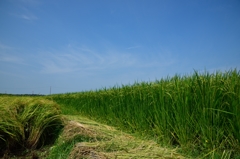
(4, 94)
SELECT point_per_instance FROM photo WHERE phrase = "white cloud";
(25, 9)
(7, 55)
(88, 62)
(31, 2)
(75, 59)
(10, 58)
(4, 47)
(28, 17)
(133, 47)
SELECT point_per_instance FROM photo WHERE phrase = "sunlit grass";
(199, 113)
(27, 123)
(84, 138)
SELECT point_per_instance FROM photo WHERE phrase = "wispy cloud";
(83, 59)
(133, 47)
(86, 61)
(28, 17)
(25, 9)
(31, 2)
(7, 55)
(4, 47)
(10, 58)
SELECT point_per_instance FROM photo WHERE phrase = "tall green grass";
(200, 112)
(27, 123)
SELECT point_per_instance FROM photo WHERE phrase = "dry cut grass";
(100, 141)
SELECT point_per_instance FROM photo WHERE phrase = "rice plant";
(199, 113)
(27, 123)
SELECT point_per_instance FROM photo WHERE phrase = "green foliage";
(199, 112)
(62, 150)
(27, 123)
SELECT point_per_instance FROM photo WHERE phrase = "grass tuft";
(27, 123)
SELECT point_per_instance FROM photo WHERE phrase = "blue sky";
(79, 45)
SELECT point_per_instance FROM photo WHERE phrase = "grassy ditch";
(199, 113)
(27, 124)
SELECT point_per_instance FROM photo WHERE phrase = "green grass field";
(196, 115)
